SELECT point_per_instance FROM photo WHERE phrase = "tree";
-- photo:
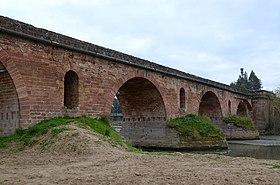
(242, 83)
(245, 84)
(116, 106)
(277, 91)
(254, 82)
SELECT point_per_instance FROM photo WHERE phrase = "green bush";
(240, 121)
(195, 128)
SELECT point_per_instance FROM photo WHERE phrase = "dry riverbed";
(80, 157)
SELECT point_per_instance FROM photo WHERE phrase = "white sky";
(209, 38)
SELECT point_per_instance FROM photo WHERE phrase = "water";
(268, 147)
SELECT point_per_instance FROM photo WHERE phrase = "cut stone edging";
(232, 132)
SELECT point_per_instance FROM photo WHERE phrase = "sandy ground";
(80, 157)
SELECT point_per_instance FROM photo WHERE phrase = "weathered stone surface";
(159, 135)
(233, 132)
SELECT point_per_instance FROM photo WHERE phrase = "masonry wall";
(262, 112)
(38, 71)
(43, 68)
(9, 105)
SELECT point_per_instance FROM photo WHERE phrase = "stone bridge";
(45, 74)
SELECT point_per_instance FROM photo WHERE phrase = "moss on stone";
(240, 121)
(195, 128)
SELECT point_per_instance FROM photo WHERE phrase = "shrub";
(195, 128)
(240, 121)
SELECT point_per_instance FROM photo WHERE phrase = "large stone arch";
(210, 107)
(241, 109)
(141, 100)
(15, 108)
(118, 83)
(244, 109)
(144, 113)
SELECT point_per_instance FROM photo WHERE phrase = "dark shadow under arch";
(229, 107)
(210, 107)
(143, 111)
(242, 109)
(182, 99)
(71, 90)
(9, 103)
(141, 99)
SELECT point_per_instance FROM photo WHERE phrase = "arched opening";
(229, 107)
(210, 107)
(182, 99)
(71, 90)
(140, 99)
(9, 103)
(116, 115)
(241, 109)
(143, 111)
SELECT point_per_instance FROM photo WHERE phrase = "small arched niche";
(71, 90)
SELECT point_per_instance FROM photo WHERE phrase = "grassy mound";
(195, 128)
(239, 121)
(54, 127)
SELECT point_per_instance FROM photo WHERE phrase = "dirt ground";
(79, 157)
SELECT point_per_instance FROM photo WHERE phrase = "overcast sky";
(209, 38)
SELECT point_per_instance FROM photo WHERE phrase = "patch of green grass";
(195, 128)
(100, 126)
(276, 166)
(59, 130)
(26, 135)
(240, 121)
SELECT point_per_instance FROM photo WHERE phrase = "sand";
(78, 156)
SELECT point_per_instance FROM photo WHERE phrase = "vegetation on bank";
(27, 135)
(195, 128)
(240, 121)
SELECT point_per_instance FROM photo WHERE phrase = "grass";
(240, 121)
(102, 127)
(195, 128)
(28, 135)
(276, 166)
(55, 132)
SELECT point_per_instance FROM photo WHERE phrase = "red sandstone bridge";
(45, 74)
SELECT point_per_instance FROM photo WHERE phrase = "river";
(267, 147)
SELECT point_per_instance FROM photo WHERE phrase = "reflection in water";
(267, 147)
(255, 151)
